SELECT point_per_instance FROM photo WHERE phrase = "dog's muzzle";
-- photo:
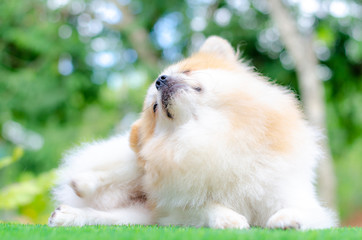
(168, 86)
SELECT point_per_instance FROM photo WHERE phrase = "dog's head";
(187, 89)
(213, 85)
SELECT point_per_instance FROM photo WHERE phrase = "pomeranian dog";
(217, 145)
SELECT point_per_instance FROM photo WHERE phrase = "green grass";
(37, 232)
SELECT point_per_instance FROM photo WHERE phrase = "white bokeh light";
(65, 31)
(65, 65)
(77, 6)
(89, 27)
(222, 16)
(55, 4)
(305, 23)
(165, 30)
(324, 72)
(106, 11)
(339, 9)
(269, 41)
(105, 59)
(309, 7)
(99, 44)
(198, 24)
(241, 6)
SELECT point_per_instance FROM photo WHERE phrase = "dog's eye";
(155, 107)
(186, 71)
(197, 89)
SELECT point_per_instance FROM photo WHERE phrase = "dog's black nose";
(161, 81)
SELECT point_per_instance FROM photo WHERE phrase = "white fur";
(66, 215)
(96, 185)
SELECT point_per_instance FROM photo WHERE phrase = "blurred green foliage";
(17, 154)
(29, 196)
(70, 73)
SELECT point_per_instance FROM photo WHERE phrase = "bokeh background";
(77, 70)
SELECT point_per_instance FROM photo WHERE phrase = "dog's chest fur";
(208, 164)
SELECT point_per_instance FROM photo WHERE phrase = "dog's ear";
(219, 46)
(134, 137)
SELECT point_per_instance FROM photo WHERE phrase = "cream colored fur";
(99, 183)
(235, 154)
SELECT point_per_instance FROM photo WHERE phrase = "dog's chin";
(168, 111)
(180, 107)
(171, 97)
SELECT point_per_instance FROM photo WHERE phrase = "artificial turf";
(37, 232)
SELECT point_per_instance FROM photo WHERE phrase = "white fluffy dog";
(216, 145)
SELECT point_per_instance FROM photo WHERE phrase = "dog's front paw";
(84, 185)
(285, 219)
(66, 216)
(224, 218)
